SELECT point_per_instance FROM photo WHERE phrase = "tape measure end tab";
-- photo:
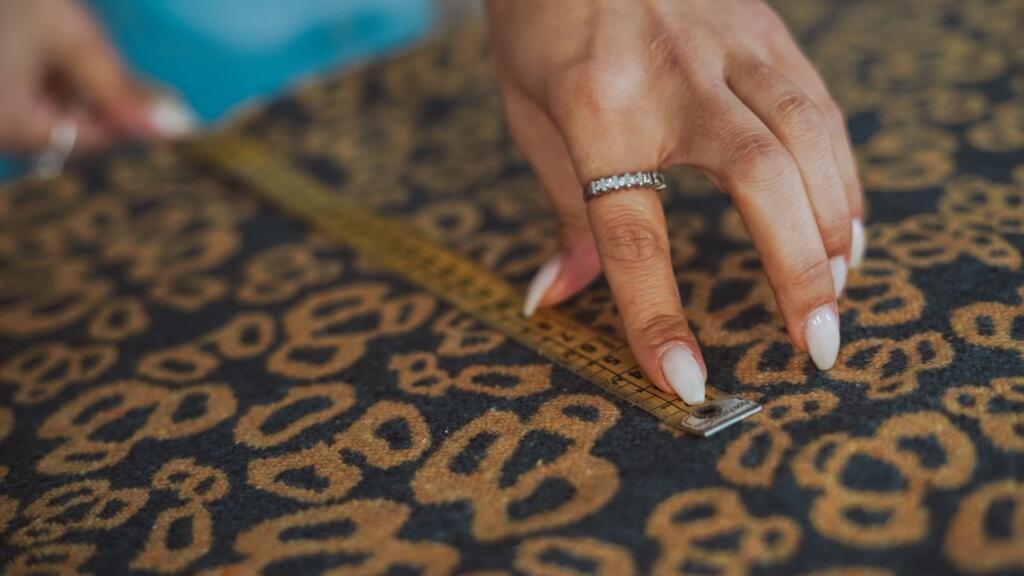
(717, 415)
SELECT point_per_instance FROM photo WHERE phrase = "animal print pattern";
(193, 383)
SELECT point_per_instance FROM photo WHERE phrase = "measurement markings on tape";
(394, 245)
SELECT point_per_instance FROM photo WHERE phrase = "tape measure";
(476, 291)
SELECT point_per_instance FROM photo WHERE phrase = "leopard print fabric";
(192, 383)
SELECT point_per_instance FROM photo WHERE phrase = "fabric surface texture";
(191, 382)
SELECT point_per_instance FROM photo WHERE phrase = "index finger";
(632, 241)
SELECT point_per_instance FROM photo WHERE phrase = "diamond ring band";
(623, 181)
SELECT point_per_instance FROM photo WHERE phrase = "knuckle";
(669, 53)
(659, 328)
(757, 157)
(595, 90)
(808, 277)
(662, 49)
(836, 231)
(799, 113)
(828, 193)
(628, 239)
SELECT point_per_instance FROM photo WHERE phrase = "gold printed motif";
(768, 427)
(79, 424)
(363, 530)
(606, 559)
(892, 514)
(891, 368)
(968, 543)
(247, 335)
(280, 273)
(418, 373)
(45, 370)
(882, 294)
(195, 486)
(988, 406)
(60, 559)
(388, 434)
(685, 523)
(319, 340)
(990, 324)
(95, 504)
(119, 319)
(463, 336)
(456, 472)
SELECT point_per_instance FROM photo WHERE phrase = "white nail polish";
(822, 336)
(683, 373)
(172, 117)
(838, 266)
(858, 245)
(540, 284)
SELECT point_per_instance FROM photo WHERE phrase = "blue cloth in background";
(219, 54)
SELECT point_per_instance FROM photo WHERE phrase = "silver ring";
(63, 135)
(624, 181)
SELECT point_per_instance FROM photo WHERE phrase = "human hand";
(597, 88)
(56, 66)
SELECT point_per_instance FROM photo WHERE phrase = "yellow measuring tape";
(395, 246)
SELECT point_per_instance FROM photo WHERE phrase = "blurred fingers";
(96, 78)
(26, 123)
(36, 125)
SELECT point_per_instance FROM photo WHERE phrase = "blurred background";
(221, 55)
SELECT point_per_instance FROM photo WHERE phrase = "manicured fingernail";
(683, 373)
(171, 117)
(540, 284)
(822, 335)
(858, 245)
(838, 266)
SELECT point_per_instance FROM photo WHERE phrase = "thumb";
(576, 264)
